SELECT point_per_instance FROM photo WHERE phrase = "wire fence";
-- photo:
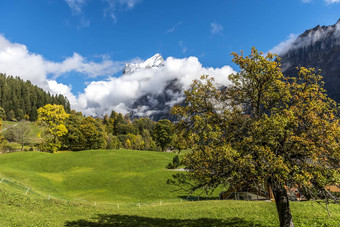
(28, 191)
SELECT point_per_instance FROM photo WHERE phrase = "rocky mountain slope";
(318, 48)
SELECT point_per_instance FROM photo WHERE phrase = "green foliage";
(180, 142)
(19, 98)
(112, 142)
(73, 140)
(52, 118)
(265, 128)
(175, 163)
(163, 133)
(2, 113)
(11, 115)
(20, 133)
(93, 133)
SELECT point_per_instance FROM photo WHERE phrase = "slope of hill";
(96, 175)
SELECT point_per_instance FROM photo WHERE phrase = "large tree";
(163, 133)
(52, 118)
(263, 129)
(93, 133)
(20, 133)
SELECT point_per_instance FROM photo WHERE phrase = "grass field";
(20, 210)
(123, 177)
(97, 175)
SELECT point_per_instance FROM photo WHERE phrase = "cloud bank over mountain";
(306, 39)
(112, 93)
(119, 93)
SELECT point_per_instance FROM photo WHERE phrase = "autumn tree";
(263, 129)
(73, 140)
(2, 113)
(112, 142)
(52, 118)
(93, 133)
(163, 133)
(179, 141)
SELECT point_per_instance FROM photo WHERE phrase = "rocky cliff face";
(158, 106)
(317, 48)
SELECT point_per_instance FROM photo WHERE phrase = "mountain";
(153, 62)
(155, 106)
(317, 48)
(158, 106)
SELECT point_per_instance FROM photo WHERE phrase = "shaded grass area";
(20, 210)
(132, 220)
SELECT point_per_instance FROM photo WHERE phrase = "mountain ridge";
(317, 48)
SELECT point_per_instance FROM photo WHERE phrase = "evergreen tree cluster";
(20, 99)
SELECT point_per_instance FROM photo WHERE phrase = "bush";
(175, 163)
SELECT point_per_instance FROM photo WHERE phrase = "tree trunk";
(282, 205)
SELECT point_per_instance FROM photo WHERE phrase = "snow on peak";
(153, 62)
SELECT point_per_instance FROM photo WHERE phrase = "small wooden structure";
(262, 192)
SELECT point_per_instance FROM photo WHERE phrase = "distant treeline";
(20, 99)
(116, 131)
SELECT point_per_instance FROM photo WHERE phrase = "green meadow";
(96, 175)
(134, 179)
(18, 209)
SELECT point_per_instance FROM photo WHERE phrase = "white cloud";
(113, 93)
(79, 64)
(115, 5)
(16, 60)
(183, 47)
(306, 39)
(332, 1)
(216, 28)
(327, 1)
(119, 93)
(284, 46)
(76, 5)
(172, 29)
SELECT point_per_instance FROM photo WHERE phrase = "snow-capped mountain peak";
(153, 62)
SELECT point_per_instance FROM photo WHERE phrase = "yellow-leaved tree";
(52, 118)
(263, 129)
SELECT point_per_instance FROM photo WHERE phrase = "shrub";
(175, 163)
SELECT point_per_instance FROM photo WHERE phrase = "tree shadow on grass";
(132, 221)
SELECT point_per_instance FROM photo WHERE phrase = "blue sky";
(78, 42)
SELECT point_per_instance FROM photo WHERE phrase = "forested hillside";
(20, 99)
